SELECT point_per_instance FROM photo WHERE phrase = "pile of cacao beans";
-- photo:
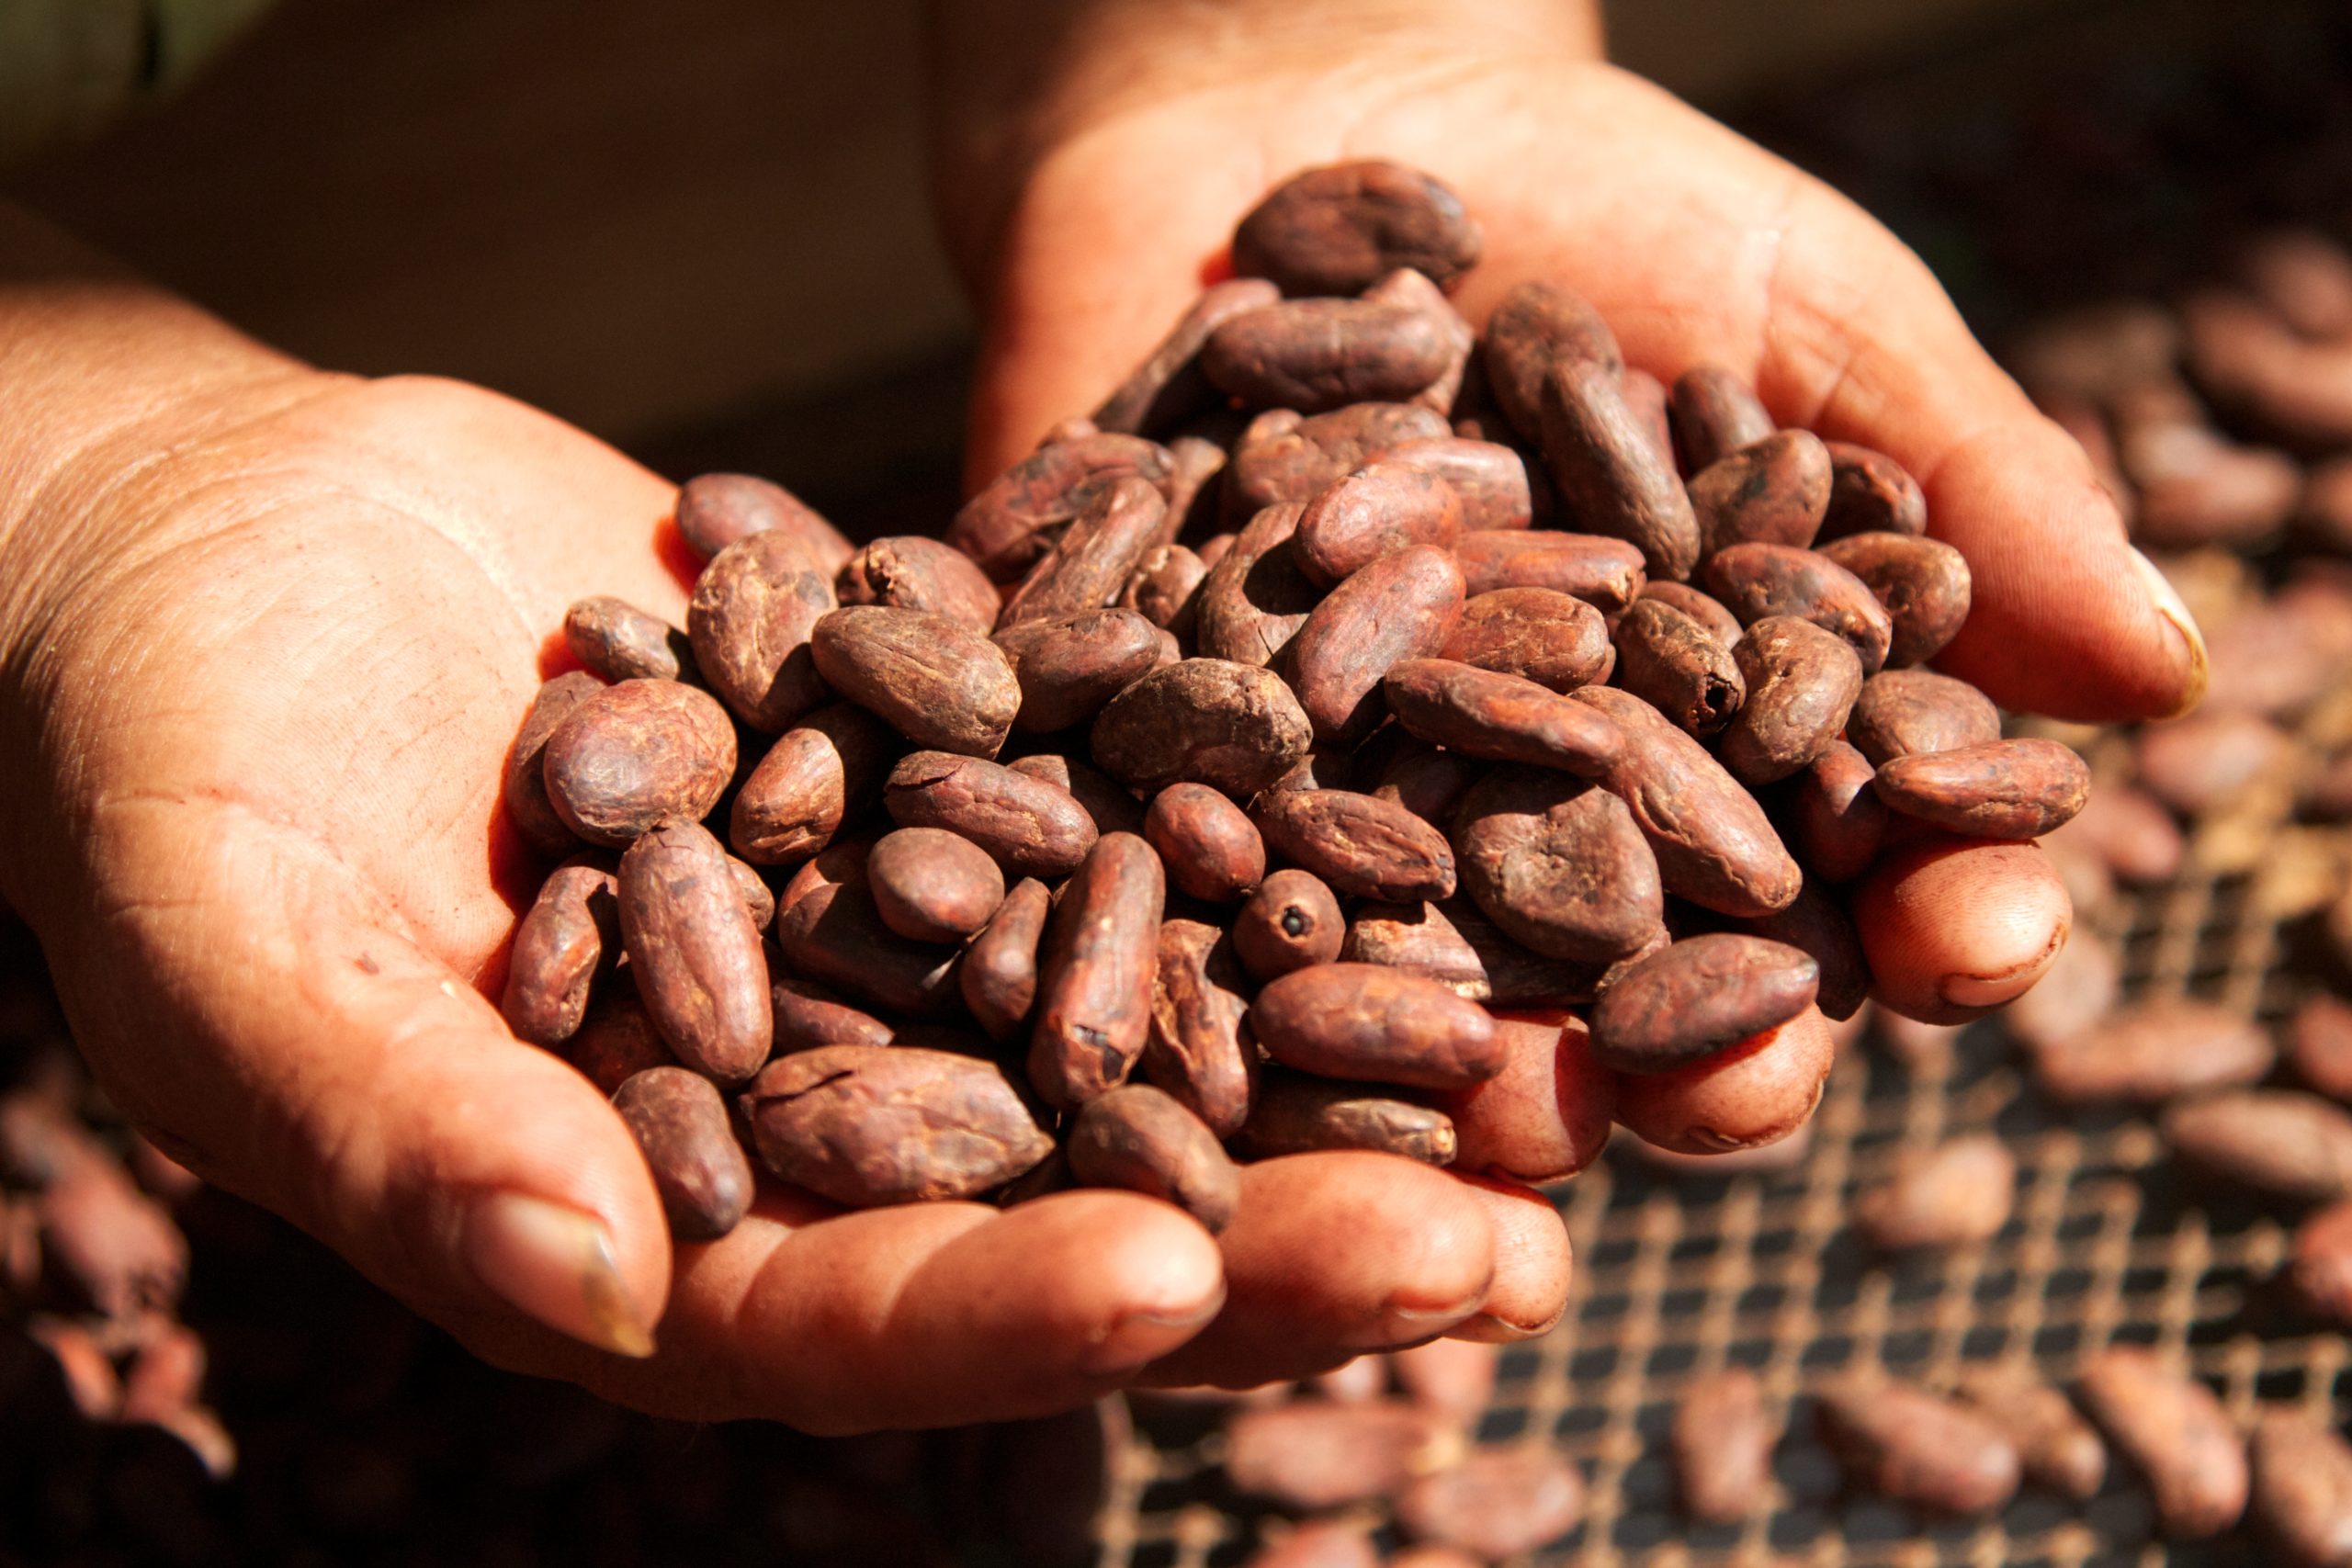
(1355, 733)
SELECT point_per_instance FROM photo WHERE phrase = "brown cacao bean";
(1314, 1454)
(569, 934)
(1069, 665)
(1903, 713)
(1720, 622)
(1361, 1021)
(1012, 521)
(680, 1122)
(749, 621)
(1772, 491)
(911, 572)
(618, 641)
(1957, 1195)
(695, 951)
(1674, 663)
(1837, 820)
(524, 788)
(1363, 846)
(1137, 1137)
(1094, 972)
(1723, 1441)
(867, 1125)
(1558, 864)
(2176, 1432)
(1087, 567)
(998, 975)
(1557, 641)
(616, 1039)
(1488, 479)
(1923, 583)
(1697, 998)
(818, 777)
(807, 1015)
(1168, 386)
(1295, 1113)
(1336, 229)
(713, 511)
(1714, 414)
(2281, 1142)
(1289, 924)
(628, 758)
(1032, 826)
(1380, 509)
(2003, 789)
(1319, 354)
(2152, 1051)
(2301, 1489)
(1481, 713)
(2055, 1446)
(1870, 492)
(1200, 1049)
(1801, 684)
(1402, 607)
(1713, 841)
(1907, 1444)
(1610, 477)
(1757, 581)
(1498, 1503)
(1211, 851)
(936, 682)
(1605, 573)
(1537, 328)
(1204, 721)
(1283, 457)
(934, 885)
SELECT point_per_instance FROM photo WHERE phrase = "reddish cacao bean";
(1907, 1444)
(1869, 493)
(819, 777)
(1558, 864)
(1380, 509)
(1802, 683)
(1699, 998)
(1838, 819)
(2152, 1051)
(569, 935)
(934, 885)
(1610, 477)
(1283, 457)
(1289, 924)
(1012, 521)
(2004, 789)
(749, 621)
(1557, 641)
(1674, 663)
(2055, 1446)
(1536, 329)
(1295, 1113)
(2175, 1433)
(1498, 1503)
(1319, 354)
(713, 511)
(807, 1015)
(1480, 713)
(1723, 1441)
(1168, 386)
(1714, 414)
(524, 789)
(1087, 567)
(1960, 1194)
(1774, 491)
(1488, 479)
(1605, 573)
(1903, 713)
(1923, 583)
(2277, 1142)
(1069, 665)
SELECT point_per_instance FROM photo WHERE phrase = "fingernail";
(1486, 1328)
(1401, 1323)
(1138, 1337)
(2183, 625)
(557, 1265)
(1992, 990)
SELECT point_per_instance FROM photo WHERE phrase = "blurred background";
(701, 231)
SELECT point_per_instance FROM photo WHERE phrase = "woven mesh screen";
(1678, 1274)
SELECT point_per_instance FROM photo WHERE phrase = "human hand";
(1697, 247)
(266, 654)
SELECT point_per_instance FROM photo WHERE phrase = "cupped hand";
(267, 678)
(1699, 248)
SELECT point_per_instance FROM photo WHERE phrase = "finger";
(1756, 1093)
(1547, 1114)
(1533, 1264)
(278, 1034)
(1329, 1255)
(1955, 927)
(928, 1315)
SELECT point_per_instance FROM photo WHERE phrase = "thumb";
(274, 1029)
